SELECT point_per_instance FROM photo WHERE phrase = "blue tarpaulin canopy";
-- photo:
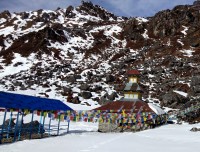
(18, 101)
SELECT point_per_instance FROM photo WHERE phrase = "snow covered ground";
(83, 137)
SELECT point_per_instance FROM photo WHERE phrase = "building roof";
(134, 106)
(133, 87)
(133, 72)
(156, 109)
(18, 101)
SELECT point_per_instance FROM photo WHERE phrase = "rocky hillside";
(81, 54)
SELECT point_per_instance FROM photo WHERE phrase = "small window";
(133, 80)
(135, 96)
(126, 95)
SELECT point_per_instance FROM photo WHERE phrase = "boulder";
(86, 95)
(22, 87)
(77, 76)
(112, 96)
(173, 100)
(35, 127)
(66, 89)
(12, 124)
(195, 81)
(71, 79)
(110, 78)
(196, 89)
(97, 88)
(194, 129)
(85, 87)
(76, 100)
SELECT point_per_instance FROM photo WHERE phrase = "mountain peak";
(95, 10)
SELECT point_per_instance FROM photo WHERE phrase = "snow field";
(83, 137)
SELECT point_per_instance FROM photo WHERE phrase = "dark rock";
(35, 127)
(5, 14)
(17, 83)
(196, 89)
(85, 87)
(110, 78)
(172, 99)
(69, 12)
(11, 122)
(45, 17)
(97, 88)
(77, 76)
(25, 15)
(67, 89)
(48, 90)
(76, 100)
(194, 129)
(195, 43)
(195, 81)
(22, 87)
(197, 2)
(71, 79)
(112, 96)
(86, 95)
(12, 88)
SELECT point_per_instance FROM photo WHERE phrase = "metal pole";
(68, 126)
(31, 126)
(20, 127)
(9, 125)
(16, 127)
(58, 125)
(49, 125)
(1, 135)
(42, 126)
(40, 122)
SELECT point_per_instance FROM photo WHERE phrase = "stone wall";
(109, 127)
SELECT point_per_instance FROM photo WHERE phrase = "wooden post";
(1, 135)
(9, 125)
(16, 127)
(58, 125)
(31, 126)
(20, 127)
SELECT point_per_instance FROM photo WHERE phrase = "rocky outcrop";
(194, 129)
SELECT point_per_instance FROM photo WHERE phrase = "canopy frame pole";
(4, 118)
(42, 126)
(20, 127)
(68, 125)
(42, 114)
(58, 125)
(49, 124)
(8, 131)
(31, 126)
(16, 126)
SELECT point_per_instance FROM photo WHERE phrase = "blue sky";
(129, 8)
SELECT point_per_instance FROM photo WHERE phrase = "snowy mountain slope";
(80, 55)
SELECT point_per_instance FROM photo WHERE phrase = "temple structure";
(132, 90)
(130, 105)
